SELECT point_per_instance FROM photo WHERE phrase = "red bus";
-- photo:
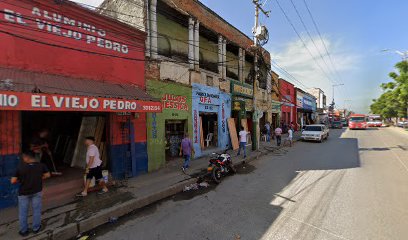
(357, 121)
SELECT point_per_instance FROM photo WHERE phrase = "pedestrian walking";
(278, 135)
(186, 150)
(290, 136)
(30, 174)
(93, 167)
(268, 131)
(242, 141)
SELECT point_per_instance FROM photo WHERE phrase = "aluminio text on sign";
(55, 102)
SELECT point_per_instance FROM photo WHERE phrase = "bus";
(374, 121)
(357, 121)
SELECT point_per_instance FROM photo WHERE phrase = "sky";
(353, 32)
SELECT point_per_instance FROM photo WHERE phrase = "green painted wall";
(156, 141)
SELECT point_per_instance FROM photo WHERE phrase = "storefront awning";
(25, 90)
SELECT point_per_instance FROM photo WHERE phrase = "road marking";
(316, 227)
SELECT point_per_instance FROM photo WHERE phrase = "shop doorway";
(64, 134)
(175, 130)
(209, 130)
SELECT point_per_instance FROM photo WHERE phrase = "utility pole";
(255, 118)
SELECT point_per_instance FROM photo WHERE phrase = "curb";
(72, 230)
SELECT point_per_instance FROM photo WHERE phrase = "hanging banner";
(56, 102)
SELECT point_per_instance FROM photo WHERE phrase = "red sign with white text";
(55, 102)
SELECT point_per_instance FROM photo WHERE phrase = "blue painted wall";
(8, 191)
(210, 99)
(123, 164)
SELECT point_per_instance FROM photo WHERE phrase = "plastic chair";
(209, 138)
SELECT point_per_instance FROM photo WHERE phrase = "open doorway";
(60, 136)
(209, 130)
(175, 130)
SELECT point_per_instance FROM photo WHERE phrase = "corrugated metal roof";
(27, 81)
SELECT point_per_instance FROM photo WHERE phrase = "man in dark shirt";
(30, 175)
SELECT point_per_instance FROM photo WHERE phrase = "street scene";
(203, 119)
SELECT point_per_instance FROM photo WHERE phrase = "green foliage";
(394, 101)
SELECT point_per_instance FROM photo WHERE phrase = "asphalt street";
(352, 186)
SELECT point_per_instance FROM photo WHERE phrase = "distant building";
(320, 99)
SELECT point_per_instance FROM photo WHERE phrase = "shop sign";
(299, 99)
(276, 107)
(176, 102)
(208, 98)
(55, 102)
(56, 24)
(195, 119)
(241, 89)
(237, 106)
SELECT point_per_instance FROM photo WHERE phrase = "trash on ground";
(196, 186)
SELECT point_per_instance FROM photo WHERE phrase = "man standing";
(268, 131)
(30, 175)
(278, 134)
(93, 167)
(242, 141)
(185, 151)
(39, 145)
(290, 136)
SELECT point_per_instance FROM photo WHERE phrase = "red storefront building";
(76, 73)
(288, 100)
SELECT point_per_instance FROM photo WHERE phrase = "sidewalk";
(82, 215)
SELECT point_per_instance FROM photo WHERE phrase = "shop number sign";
(53, 102)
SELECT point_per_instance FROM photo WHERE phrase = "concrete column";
(240, 65)
(197, 45)
(153, 26)
(224, 59)
(220, 64)
(148, 37)
(191, 42)
(243, 65)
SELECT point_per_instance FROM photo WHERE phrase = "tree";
(394, 100)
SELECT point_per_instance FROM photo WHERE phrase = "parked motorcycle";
(220, 165)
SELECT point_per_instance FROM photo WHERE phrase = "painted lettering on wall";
(52, 102)
(195, 119)
(63, 26)
(154, 125)
(223, 117)
(207, 98)
(238, 89)
(170, 101)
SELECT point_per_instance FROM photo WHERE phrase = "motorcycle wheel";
(216, 174)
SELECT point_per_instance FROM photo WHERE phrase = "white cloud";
(304, 66)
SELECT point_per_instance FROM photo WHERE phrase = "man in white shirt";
(242, 141)
(290, 137)
(93, 167)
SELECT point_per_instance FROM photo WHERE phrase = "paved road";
(353, 186)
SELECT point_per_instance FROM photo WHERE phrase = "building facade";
(75, 73)
(190, 46)
(306, 108)
(288, 100)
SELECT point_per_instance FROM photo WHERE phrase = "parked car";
(336, 124)
(374, 124)
(402, 124)
(315, 132)
(344, 122)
